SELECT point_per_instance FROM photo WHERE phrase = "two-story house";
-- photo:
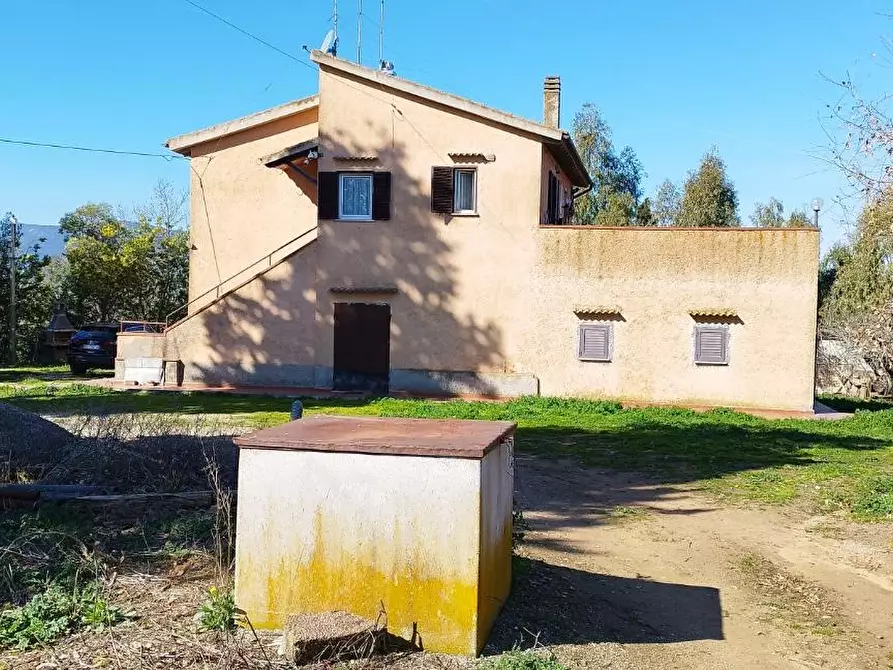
(383, 235)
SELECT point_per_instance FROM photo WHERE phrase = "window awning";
(593, 310)
(308, 149)
(728, 313)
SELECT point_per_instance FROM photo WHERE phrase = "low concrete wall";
(405, 532)
(140, 345)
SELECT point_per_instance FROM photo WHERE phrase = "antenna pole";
(335, 16)
(359, 30)
(381, 34)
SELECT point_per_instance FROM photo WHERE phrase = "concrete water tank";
(358, 514)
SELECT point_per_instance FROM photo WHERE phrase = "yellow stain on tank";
(495, 582)
(439, 610)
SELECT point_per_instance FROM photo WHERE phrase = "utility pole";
(13, 224)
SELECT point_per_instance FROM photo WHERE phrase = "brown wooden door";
(362, 347)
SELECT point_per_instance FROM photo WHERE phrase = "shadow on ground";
(847, 404)
(16, 375)
(552, 605)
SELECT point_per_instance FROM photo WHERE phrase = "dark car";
(94, 346)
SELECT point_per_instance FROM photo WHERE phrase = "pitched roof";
(182, 143)
(559, 140)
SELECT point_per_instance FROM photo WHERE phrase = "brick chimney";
(552, 102)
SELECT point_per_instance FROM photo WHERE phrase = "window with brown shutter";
(354, 196)
(711, 345)
(327, 195)
(454, 190)
(442, 192)
(552, 196)
(595, 342)
(381, 196)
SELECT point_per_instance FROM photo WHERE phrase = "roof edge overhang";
(183, 143)
(559, 141)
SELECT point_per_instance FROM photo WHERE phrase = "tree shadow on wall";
(273, 330)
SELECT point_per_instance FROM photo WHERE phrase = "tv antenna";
(359, 31)
(330, 41)
(381, 34)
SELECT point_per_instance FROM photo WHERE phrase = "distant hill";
(54, 244)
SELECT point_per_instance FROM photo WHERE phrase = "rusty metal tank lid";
(444, 438)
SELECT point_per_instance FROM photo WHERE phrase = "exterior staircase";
(142, 357)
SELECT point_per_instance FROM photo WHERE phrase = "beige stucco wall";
(240, 209)
(656, 277)
(263, 333)
(454, 274)
(408, 538)
(491, 295)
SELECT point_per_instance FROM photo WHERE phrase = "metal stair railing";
(216, 289)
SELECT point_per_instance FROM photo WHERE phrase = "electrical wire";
(251, 35)
(71, 147)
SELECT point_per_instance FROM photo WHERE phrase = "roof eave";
(567, 156)
(449, 100)
(183, 143)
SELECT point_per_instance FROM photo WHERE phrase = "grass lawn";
(826, 465)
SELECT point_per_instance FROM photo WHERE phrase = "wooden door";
(362, 347)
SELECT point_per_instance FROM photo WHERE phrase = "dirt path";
(621, 573)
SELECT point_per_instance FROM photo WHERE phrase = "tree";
(832, 263)
(616, 178)
(91, 220)
(860, 129)
(709, 198)
(115, 270)
(34, 300)
(644, 215)
(860, 303)
(771, 215)
(666, 204)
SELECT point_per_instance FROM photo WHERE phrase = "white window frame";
(354, 217)
(474, 191)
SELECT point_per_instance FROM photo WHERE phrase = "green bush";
(875, 500)
(218, 611)
(53, 613)
(522, 660)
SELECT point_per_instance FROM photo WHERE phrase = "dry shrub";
(137, 453)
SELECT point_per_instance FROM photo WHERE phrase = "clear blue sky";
(672, 79)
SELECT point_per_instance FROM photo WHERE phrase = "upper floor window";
(454, 190)
(355, 197)
(465, 191)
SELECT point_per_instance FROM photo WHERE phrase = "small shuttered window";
(454, 190)
(595, 342)
(354, 196)
(442, 190)
(711, 345)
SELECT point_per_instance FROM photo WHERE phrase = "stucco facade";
(489, 303)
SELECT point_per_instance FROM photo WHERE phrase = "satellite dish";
(330, 43)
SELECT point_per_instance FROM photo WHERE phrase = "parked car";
(93, 347)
